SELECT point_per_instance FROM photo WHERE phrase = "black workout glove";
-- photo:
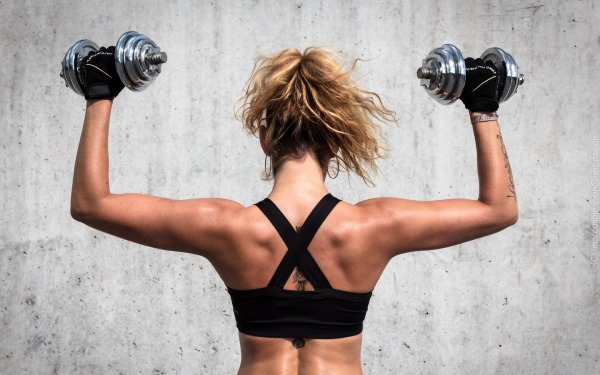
(100, 78)
(481, 87)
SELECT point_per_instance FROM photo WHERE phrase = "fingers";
(473, 64)
(491, 66)
(470, 63)
(94, 60)
(104, 50)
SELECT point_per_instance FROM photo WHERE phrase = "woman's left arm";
(198, 226)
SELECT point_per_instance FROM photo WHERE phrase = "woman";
(299, 277)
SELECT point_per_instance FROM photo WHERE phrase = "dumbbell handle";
(426, 73)
(156, 58)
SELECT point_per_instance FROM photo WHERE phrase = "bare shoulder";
(363, 216)
(363, 228)
(381, 222)
(215, 207)
(409, 225)
(216, 222)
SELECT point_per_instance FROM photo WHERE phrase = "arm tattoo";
(511, 183)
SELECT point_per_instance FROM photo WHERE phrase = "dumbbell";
(443, 73)
(137, 58)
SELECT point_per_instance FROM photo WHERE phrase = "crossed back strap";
(297, 254)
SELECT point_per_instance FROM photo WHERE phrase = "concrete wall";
(76, 301)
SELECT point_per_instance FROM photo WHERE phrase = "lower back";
(262, 355)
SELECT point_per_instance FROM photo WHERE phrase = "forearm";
(90, 179)
(496, 185)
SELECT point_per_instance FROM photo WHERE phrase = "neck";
(301, 178)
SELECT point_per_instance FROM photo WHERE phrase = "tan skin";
(352, 247)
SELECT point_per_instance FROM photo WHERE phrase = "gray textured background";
(75, 301)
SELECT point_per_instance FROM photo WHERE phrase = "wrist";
(97, 90)
(99, 105)
(474, 113)
(477, 117)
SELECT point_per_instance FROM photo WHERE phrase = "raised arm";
(406, 225)
(194, 226)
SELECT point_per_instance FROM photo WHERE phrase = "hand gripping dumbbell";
(137, 58)
(443, 73)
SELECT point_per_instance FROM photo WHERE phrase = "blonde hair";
(309, 103)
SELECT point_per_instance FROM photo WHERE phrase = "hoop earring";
(267, 172)
(337, 172)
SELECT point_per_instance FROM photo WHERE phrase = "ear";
(262, 135)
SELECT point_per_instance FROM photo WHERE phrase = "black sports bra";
(324, 313)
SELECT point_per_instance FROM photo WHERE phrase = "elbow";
(512, 219)
(508, 217)
(82, 212)
(89, 211)
(86, 208)
(78, 213)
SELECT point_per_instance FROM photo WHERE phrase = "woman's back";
(339, 250)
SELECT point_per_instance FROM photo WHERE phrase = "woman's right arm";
(405, 225)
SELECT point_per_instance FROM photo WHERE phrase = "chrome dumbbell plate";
(510, 76)
(443, 74)
(138, 60)
(71, 64)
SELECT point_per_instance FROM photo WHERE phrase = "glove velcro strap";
(98, 91)
(483, 105)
